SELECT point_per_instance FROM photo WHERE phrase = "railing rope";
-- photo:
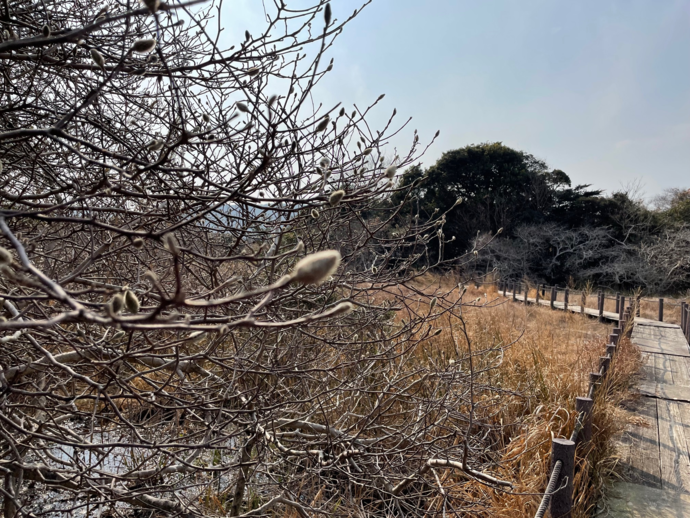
(550, 489)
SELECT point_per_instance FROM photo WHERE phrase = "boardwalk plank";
(665, 391)
(639, 445)
(660, 340)
(673, 453)
(626, 500)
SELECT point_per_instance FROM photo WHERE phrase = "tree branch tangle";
(174, 340)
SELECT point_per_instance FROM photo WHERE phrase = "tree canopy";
(500, 188)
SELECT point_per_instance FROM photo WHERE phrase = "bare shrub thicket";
(169, 343)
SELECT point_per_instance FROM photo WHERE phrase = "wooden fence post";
(613, 337)
(604, 363)
(583, 405)
(514, 290)
(601, 306)
(553, 297)
(565, 299)
(638, 304)
(537, 300)
(594, 380)
(610, 350)
(661, 310)
(505, 285)
(682, 314)
(621, 308)
(618, 301)
(583, 302)
(562, 500)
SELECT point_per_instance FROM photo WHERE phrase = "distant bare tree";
(197, 315)
(551, 250)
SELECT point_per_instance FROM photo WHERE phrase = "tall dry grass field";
(535, 361)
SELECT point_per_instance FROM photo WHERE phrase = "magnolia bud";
(242, 107)
(98, 58)
(253, 71)
(322, 125)
(46, 31)
(144, 46)
(324, 163)
(327, 14)
(138, 243)
(336, 197)
(367, 151)
(153, 5)
(390, 172)
(131, 302)
(5, 256)
(118, 336)
(117, 303)
(170, 242)
(432, 304)
(314, 213)
(317, 267)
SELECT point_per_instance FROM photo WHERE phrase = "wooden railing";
(578, 298)
(558, 497)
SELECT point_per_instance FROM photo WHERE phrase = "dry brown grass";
(545, 370)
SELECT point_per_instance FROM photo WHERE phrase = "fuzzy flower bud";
(144, 46)
(117, 303)
(390, 172)
(316, 268)
(131, 302)
(153, 5)
(98, 58)
(170, 242)
(336, 197)
(322, 125)
(5, 256)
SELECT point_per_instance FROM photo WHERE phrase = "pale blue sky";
(600, 88)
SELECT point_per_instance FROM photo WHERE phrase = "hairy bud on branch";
(336, 197)
(98, 58)
(131, 302)
(316, 268)
(144, 46)
(171, 244)
(117, 303)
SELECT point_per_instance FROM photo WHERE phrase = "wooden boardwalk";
(655, 447)
(574, 308)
